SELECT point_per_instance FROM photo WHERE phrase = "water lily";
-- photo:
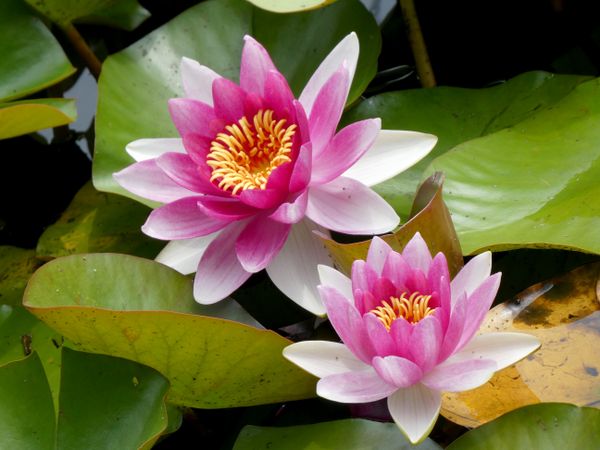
(409, 333)
(255, 171)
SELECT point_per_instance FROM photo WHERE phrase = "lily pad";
(429, 216)
(564, 314)
(31, 58)
(290, 5)
(16, 266)
(550, 426)
(456, 115)
(336, 435)
(136, 83)
(127, 14)
(27, 116)
(138, 309)
(98, 222)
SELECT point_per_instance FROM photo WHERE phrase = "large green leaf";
(337, 435)
(290, 5)
(30, 57)
(138, 309)
(126, 14)
(26, 413)
(98, 222)
(27, 116)
(548, 426)
(109, 403)
(457, 115)
(531, 185)
(136, 83)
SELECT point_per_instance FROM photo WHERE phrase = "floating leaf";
(16, 266)
(138, 309)
(457, 115)
(564, 314)
(26, 413)
(98, 222)
(136, 83)
(290, 5)
(550, 426)
(27, 116)
(336, 435)
(31, 58)
(126, 14)
(430, 217)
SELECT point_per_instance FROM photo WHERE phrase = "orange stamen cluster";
(413, 309)
(244, 155)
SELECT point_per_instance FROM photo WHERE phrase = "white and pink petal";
(415, 411)
(323, 358)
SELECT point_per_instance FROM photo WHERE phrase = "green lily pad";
(136, 83)
(290, 5)
(548, 426)
(124, 306)
(127, 14)
(456, 115)
(336, 435)
(98, 222)
(27, 116)
(16, 266)
(31, 58)
(26, 413)
(109, 403)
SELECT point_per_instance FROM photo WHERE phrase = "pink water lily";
(255, 171)
(409, 333)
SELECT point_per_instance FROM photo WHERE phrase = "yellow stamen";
(245, 153)
(413, 308)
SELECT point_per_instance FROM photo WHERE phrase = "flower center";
(413, 308)
(244, 155)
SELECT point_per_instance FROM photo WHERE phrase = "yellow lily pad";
(27, 116)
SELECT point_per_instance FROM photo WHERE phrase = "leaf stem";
(417, 43)
(84, 50)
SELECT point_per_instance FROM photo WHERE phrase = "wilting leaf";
(98, 222)
(138, 309)
(550, 426)
(136, 83)
(16, 266)
(31, 58)
(336, 435)
(27, 116)
(564, 313)
(429, 216)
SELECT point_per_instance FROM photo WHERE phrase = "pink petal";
(383, 289)
(182, 170)
(348, 323)
(396, 269)
(401, 332)
(503, 348)
(346, 206)
(291, 212)
(143, 149)
(416, 253)
(337, 280)
(198, 147)
(302, 169)
(346, 147)
(225, 208)
(354, 387)
(327, 110)
(294, 269)
(197, 80)
(479, 303)
(184, 255)
(363, 276)
(397, 371)
(260, 242)
(181, 219)
(219, 271)
(460, 376)
(194, 117)
(147, 180)
(380, 338)
(302, 131)
(255, 66)
(345, 52)
(262, 198)
(415, 410)
(279, 97)
(323, 358)
(472, 275)
(229, 100)
(365, 301)
(454, 330)
(378, 253)
(393, 152)
(426, 342)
